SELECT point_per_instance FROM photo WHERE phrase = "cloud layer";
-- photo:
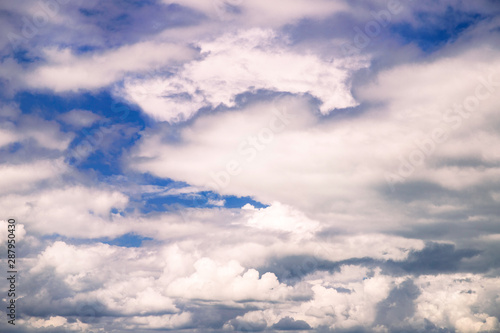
(251, 166)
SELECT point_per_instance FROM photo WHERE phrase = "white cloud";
(236, 63)
(23, 177)
(49, 211)
(55, 322)
(230, 281)
(6, 137)
(282, 218)
(66, 71)
(190, 190)
(327, 306)
(335, 169)
(108, 279)
(19, 231)
(79, 118)
(23, 128)
(462, 301)
(264, 153)
(46, 133)
(349, 310)
(219, 203)
(322, 175)
(139, 283)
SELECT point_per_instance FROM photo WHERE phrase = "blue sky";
(251, 165)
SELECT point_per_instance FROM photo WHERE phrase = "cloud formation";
(251, 166)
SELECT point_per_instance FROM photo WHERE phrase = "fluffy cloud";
(377, 173)
(31, 130)
(279, 217)
(470, 304)
(245, 151)
(236, 63)
(54, 323)
(20, 231)
(228, 282)
(66, 71)
(47, 212)
(20, 178)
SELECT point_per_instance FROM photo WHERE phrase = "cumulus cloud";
(227, 282)
(473, 307)
(408, 143)
(290, 324)
(236, 63)
(263, 179)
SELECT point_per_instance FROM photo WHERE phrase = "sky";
(251, 165)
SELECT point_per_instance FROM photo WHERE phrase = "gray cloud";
(290, 324)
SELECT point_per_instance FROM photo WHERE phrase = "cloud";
(398, 306)
(436, 258)
(54, 323)
(24, 177)
(236, 63)
(174, 321)
(20, 231)
(246, 324)
(79, 118)
(283, 218)
(47, 211)
(458, 311)
(263, 13)
(272, 182)
(31, 129)
(394, 147)
(66, 71)
(290, 324)
(227, 282)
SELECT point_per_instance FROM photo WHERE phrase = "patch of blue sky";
(206, 199)
(435, 29)
(149, 179)
(126, 240)
(104, 141)
(171, 203)
(14, 147)
(45, 105)
(23, 56)
(86, 49)
(232, 201)
(105, 150)
(104, 163)
(50, 106)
